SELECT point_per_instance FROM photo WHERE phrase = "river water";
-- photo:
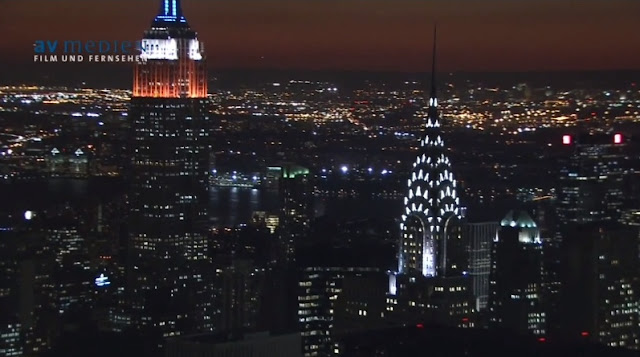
(228, 205)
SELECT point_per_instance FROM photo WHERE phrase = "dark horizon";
(120, 75)
(492, 35)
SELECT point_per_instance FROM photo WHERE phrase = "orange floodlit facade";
(183, 77)
(172, 60)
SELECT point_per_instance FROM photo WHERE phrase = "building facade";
(598, 248)
(516, 300)
(479, 238)
(168, 286)
(592, 179)
(432, 282)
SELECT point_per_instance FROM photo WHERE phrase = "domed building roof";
(518, 219)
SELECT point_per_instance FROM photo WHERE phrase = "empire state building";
(167, 251)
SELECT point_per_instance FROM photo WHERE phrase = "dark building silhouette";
(235, 344)
(597, 251)
(240, 288)
(479, 238)
(516, 301)
(599, 288)
(295, 194)
(439, 341)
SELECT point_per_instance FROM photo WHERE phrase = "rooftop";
(518, 219)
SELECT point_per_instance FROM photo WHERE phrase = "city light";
(203, 248)
(102, 280)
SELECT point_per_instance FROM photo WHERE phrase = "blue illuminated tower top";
(171, 58)
(170, 13)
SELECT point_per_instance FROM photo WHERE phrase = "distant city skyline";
(375, 35)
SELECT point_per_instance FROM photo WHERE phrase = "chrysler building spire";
(433, 67)
(432, 111)
(432, 198)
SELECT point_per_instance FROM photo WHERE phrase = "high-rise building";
(631, 219)
(241, 286)
(68, 163)
(515, 293)
(598, 296)
(45, 277)
(10, 339)
(592, 181)
(320, 298)
(167, 278)
(598, 249)
(432, 281)
(430, 203)
(295, 194)
(269, 220)
(543, 213)
(17, 309)
(479, 238)
(319, 288)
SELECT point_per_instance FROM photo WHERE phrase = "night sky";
(391, 35)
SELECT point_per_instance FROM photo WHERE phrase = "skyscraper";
(591, 182)
(431, 283)
(431, 201)
(169, 180)
(479, 238)
(296, 214)
(597, 252)
(515, 299)
(321, 299)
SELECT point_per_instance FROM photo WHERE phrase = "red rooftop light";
(566, 139)
(617, 139)
(420, 326)
(584, 333)
(542, 339)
